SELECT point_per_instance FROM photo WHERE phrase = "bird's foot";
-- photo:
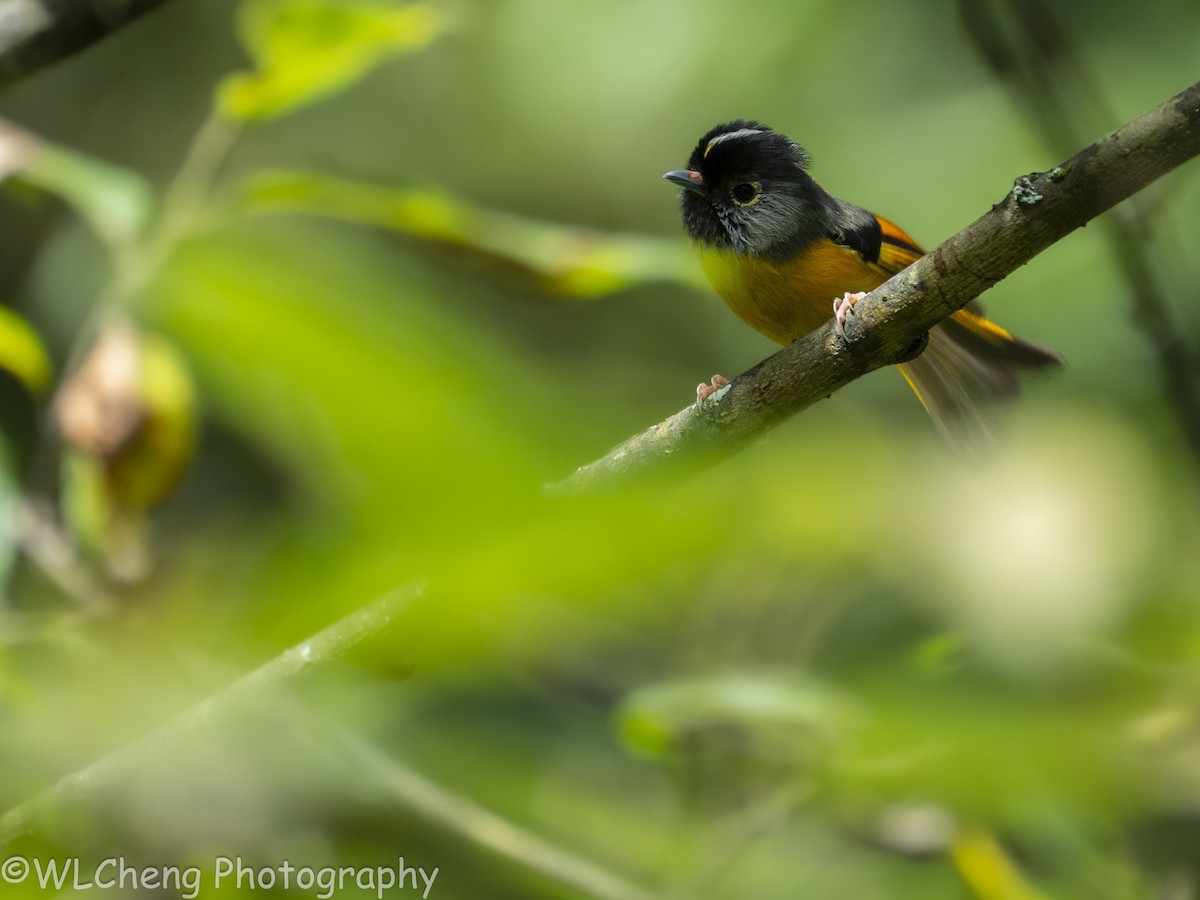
(704, 391)
(841, 307)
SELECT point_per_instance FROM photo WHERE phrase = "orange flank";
(787, 299)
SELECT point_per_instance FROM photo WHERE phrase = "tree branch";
(36, 33)
(155, 748)
(1054, 87)
(1041, 209)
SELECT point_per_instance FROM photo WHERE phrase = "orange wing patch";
(896, 250)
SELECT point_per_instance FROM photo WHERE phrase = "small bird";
(778, 248)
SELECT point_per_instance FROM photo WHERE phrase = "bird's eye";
(747, 193)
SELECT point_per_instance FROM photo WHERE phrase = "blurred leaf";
(574, 262)
(145, 475)
(115, 202)
(952, 741)
(9, 497)
(85, 504)
(305, 50)
(775, 712)
(22, 353)
(988, 871)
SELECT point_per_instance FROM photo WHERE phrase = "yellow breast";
(785, 300)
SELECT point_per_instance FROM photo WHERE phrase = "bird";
(786, 257)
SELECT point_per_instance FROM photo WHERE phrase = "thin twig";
(1041, 209)
(47, 545)
(184, 200)
(463, 816)
(156, 747)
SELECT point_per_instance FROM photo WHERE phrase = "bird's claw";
(842, 306)
(704, 391)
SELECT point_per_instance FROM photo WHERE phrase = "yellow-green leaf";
(305, 50)
(765, 708)
(115, 202)
(569, 261)
(164, 446)
(86, 507)
(22, 353)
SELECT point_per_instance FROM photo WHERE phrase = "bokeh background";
(423, 263)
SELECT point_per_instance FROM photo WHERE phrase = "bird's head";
(746, 189)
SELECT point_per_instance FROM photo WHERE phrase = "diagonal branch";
(36, 33)
(1041, 209)
(1054, 88)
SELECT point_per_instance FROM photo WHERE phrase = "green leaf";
(22, 352)
(9, 498)
(305, 50)
(770, 710)
(86, 507)
(115, 202)
(569, 261)
(146, 473)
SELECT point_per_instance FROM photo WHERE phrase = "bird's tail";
(970, 367)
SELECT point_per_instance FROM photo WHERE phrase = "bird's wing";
(896, 249)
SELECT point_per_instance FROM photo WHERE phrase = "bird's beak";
(687, 179)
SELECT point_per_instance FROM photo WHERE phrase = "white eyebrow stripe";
(741, 132)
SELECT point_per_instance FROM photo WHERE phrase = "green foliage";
(574, 262)
(305, 50)
(840, 664)
(22, 353)
(786, 717)
(9, 499)
(113, 201)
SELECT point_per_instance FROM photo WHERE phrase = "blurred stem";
(1027, 47)
(892, 318)
(188, 192)
(136, 263)
(51, 549)
(157, 748)
(458, 814)
(762, 818)
(182, 207)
